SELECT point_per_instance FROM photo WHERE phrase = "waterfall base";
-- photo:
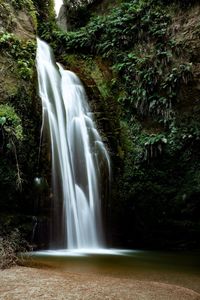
(82, 252)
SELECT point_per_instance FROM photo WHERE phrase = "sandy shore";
(32, 283)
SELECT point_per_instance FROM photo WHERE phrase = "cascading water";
(78, 155)
(58, 5)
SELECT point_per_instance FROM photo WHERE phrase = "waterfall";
(77, 152)
(58, 5)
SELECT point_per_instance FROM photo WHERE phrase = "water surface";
(182, 268)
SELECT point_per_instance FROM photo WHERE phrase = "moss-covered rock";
(18, 17)
(20, 109)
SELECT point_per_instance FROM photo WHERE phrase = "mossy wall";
(20, 115)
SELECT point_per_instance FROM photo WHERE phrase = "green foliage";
(28, 5)
(11, 122)
(11, 132)
(19, 127)
(152, 85)
(20, 4)
(154, 146)
(25, 69)
(149, 74)
(45, 10)
(22, 51)
(159, 188)
(117, 31)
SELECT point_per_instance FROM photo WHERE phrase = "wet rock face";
(62, 18)
(17, 26)
(23, 25)
(5, 22)
(19, 22)
(8, 84)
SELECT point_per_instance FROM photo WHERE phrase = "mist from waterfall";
(78, 156)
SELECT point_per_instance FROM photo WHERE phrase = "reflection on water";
(175, 268)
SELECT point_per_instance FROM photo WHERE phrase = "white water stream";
(78, 156)
(58, 4)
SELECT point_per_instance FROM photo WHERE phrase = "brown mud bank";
(33, 283)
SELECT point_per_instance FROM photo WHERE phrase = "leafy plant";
(25, 70)
(12, 134)
(11, 122)
(154, 145)
(23, 52)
